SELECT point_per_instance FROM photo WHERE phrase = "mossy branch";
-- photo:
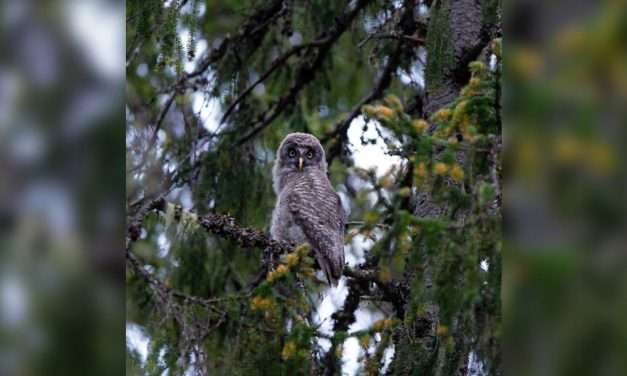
(226, 227)
(220, 225)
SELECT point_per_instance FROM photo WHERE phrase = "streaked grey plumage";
(307, 209)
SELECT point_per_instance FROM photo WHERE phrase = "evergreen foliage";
(204, 284)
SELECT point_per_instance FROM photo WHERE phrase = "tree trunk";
(458, 31)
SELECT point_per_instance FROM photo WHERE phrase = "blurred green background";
(565, 266)
(61, 187)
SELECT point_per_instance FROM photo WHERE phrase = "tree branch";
(307, 70)
(277, 63)
(217, 224)
(256, 23)
(394, 292)
(398, 36)
(382, 83)
(225, 226)
(164, 290)
(407, 25)
(342, 321)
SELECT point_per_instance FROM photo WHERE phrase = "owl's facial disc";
(299, 153)
(296, 156)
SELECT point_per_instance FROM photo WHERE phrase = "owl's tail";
(333, 272)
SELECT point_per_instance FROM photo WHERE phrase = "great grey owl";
(307, 209)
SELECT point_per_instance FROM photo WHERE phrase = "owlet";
(307, 209)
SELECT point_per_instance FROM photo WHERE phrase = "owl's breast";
(295, 234)
(284, 226)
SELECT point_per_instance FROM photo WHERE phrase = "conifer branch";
(277, 63)
(225, 226)
(217, 224)
(339, 133)
(342, 321)
(307, 70)
(164, 291)
(257, 23)
(382, 83)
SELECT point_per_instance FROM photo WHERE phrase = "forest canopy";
(412, 87)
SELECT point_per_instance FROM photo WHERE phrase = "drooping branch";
(398, 36)
(225, 226)
(218, 224)
(407, 26)
(306, 71)
(276, 64)
(340, 130)
(342, 321)
(136, 45)
(155, 132)
(164, 291)
(254, 28)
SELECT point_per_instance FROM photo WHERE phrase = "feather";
(317, 209)
(307, 207)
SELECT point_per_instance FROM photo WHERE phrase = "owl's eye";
(291, 153)
(310, 154)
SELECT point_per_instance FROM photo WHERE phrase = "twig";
(306, 71)
(165, 290)
(382, 83)
(220, 225)
(394, 292)
(277, 63)
(342, 321)
(495, 170)
(362, 223)
(137, 44)
(397, 36)
(212, 57)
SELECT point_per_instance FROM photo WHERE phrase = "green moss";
(440, 54)
(489, 12)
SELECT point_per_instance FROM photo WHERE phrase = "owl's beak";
(300, 164)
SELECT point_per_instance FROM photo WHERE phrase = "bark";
(457, 33)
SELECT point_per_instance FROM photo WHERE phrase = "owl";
(307, 209)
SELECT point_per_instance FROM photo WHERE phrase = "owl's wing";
(317, 209)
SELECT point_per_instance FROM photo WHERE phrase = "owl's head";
(299, 153)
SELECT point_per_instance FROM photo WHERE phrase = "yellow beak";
(300, 164)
